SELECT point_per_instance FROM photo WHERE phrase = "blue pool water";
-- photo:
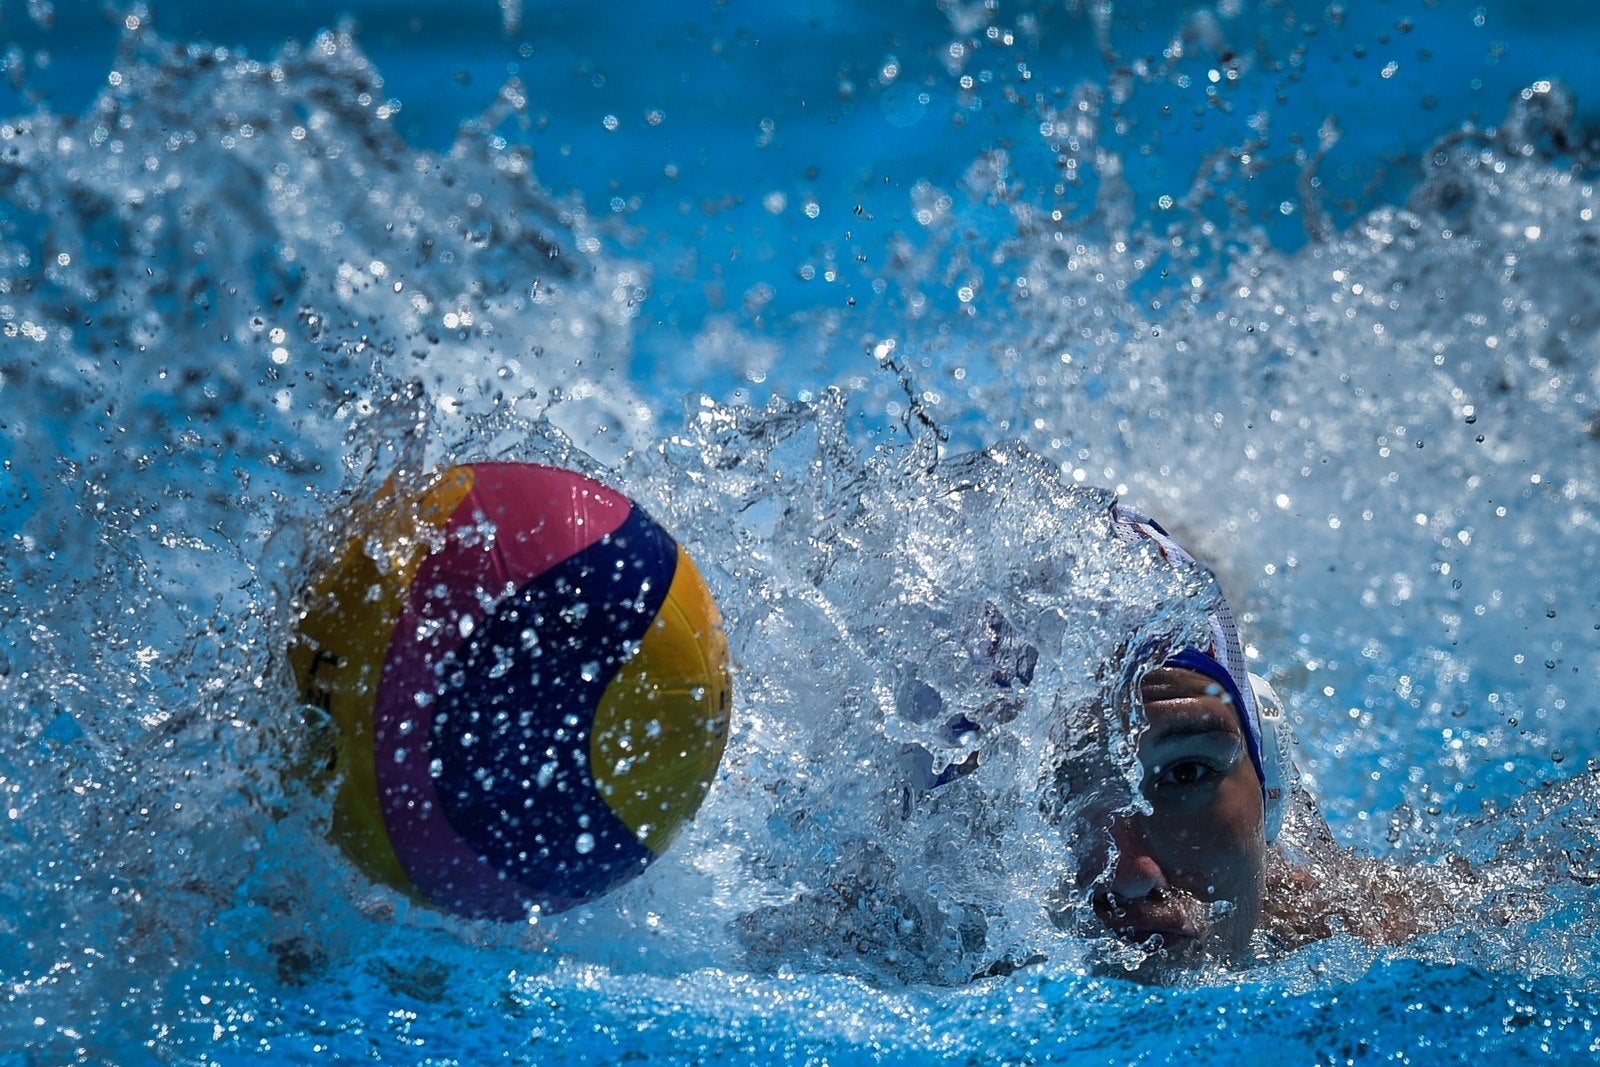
(1316, 283)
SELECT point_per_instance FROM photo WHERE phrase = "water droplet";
(584, 844)
(502, 662)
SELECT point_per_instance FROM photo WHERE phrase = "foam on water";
(231, 296)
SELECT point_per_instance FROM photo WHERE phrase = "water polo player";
(1222, 843)
(1212, 850)
(1182, 868)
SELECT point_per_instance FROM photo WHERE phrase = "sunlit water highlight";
(232, 293)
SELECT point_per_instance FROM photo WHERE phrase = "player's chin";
(1161, 953)
(1156, 960)
(1180, 946)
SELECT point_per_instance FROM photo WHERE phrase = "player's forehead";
(1176, 700)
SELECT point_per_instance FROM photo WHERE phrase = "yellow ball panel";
(339, 649)
(659, 731)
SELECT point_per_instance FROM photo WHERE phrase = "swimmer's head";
(1184, 870)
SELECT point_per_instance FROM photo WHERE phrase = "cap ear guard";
(1277, 760)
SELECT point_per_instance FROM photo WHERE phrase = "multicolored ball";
(529, 681)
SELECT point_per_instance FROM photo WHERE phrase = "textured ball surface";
(529, 681)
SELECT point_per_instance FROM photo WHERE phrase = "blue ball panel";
(510, 734)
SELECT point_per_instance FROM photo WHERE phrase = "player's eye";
(1185, 772)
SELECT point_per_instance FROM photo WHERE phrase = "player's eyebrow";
(1186, 726)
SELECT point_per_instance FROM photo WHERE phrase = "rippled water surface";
(1315, 283)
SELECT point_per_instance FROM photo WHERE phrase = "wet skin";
(1201, 845)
